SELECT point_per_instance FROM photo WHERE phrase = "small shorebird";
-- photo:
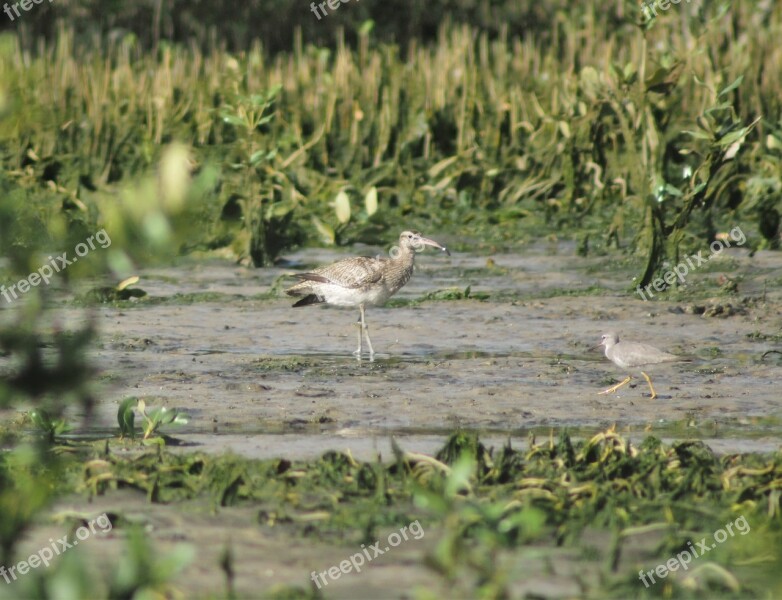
(628, 355)
(362, 281)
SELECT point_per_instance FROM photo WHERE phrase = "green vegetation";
(659, 135)
(490, 122)
(482, 504)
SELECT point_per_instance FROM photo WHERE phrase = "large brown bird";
(362, 281)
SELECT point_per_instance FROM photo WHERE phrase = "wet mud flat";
(247, 366)
(263, 380)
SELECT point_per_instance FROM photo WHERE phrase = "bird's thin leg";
(649, 381)
(365, 328)
(612, 389)
(360, 326)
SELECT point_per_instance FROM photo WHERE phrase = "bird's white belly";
(340, 296)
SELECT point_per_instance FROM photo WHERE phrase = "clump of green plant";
(51, 427)
(154, 419)
(266, 216)
(117, 293)
(482, 506)
(143, 573)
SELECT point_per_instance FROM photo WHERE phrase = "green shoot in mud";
(126, 417)
(154, 419)
(121, 292)
(159, 417)
(51, 427)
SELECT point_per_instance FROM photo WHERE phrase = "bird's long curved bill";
(427, 242)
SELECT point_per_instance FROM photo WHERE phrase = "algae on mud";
(478, 506)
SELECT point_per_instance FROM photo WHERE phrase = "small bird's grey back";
(634, 354)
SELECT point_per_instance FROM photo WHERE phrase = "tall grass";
(581, 124)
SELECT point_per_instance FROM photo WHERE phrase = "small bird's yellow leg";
(649, 381)
(612, 389)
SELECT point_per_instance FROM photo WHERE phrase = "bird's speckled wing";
(349, 273)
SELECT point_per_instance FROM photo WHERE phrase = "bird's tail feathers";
(312, 277)
(309, 299)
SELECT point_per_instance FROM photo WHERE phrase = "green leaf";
(440, 166)
(717, 108)
(735, 136)
(366, 27)
(342, 207)
(732, 86)
(673, 191)
(44, 422)
(234, 120)
(256, 157)
(273, 91)
(458, 480)
(126, 417)
(278, 210)
(41, 420)
(699, 135)
(159, 416)
(664, 79)
(370, 201)
(773, 142)
(325, 231)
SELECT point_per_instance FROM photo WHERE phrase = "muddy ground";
(262, 379)
(246, 367)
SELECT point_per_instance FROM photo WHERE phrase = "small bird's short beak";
(428, 242)
(600, 345)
